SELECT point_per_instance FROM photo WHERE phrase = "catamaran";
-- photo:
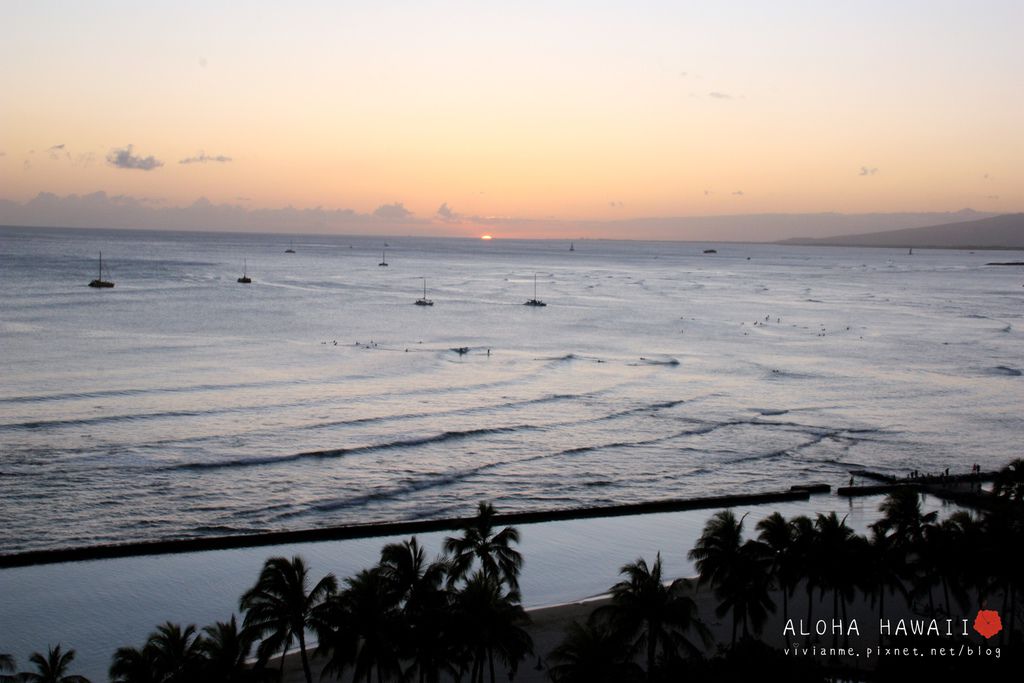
(245, 279)
(99, 281)
(535, 301)
(424, 301)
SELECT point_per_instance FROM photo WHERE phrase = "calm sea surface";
(181, 403)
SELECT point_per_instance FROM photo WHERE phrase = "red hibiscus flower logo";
(987, 623)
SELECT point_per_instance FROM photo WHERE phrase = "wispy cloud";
(720, 95)
(615, 204)
(868, 170)
(204, 158)
(124, 158)
(445, 213)
(394, 211)
(991, 196)
(738, 193)
(57, 152)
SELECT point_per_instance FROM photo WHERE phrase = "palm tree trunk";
(810, 600)
(846, 631)
(835, 610)
(490, 662)
(735, 620)
(652, 645)
(305, 660)
(881, 610)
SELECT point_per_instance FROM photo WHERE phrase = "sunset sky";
(511, 114)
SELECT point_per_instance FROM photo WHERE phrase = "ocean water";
(181, 403)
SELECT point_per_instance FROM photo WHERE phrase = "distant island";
(997, 232)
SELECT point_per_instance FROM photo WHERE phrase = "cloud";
(3, 154)
(615, 204)
(203, 158)
(445, 213)
(708, 193)
(392, 212)
(991, 196)
(720, 95)
(738, 193)
(868, 170)
(243, 199)
(58, 152)
(202, 62)
(123, 158)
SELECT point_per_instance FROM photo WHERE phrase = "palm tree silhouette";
(777, 537)
(903, 518)
(280, 607)
(490, 625)
(835, 562)
(884, 571)
(176, 652)
(657, 616)
(807, 555)
(225, 651)
(52, 668)
(717, 554)
(1009, 482)
(595, 652)
(130, 665)
(417, 589)
(480, 546)
(7, 664)
(745, 591)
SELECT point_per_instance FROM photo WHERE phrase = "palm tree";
(717, 553)
(807, 555)
(1009, 482)
(884, 570)
(416, 587)
(7, 664)
(836, 560)
(903, 518)
(52, 668)
(655, 615)
(176, 652)
(225, 652)
(480, 545)
(777, 536)
(746, 589)
(280, 607)
(595, 652)
(135, 666)
(361, 627)
(490, 625)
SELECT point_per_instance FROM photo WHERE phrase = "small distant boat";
(291, 248)
(572, 246)
(99, 282)
(910, 252)
(245, 279)
(383, 258)
(424, 301)
(535, 301)
(710, 251)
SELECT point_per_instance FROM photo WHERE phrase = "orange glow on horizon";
(486, 237)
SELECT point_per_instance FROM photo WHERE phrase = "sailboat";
(245, 279)
(535, 301)
(291, 248)
(572, 246)
(99, 281)
(910, 252)
(424, 301)
(383, 258)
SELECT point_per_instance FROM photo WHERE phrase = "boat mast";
(535, 286)
(100, 275)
